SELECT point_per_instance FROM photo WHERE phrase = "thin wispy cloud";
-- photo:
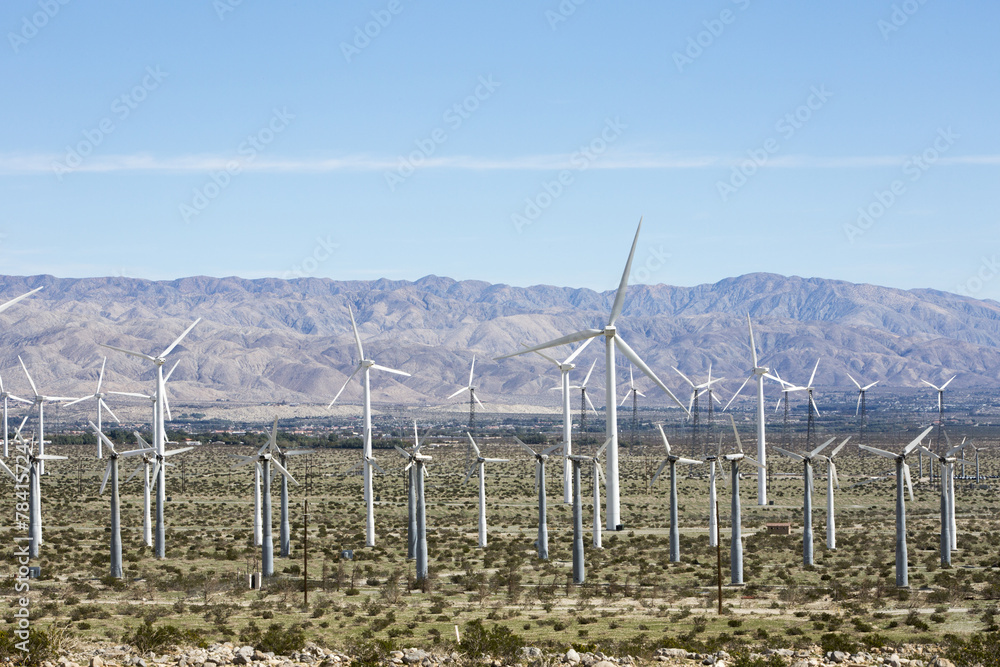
(42, 163)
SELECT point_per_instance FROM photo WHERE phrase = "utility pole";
(305, 552)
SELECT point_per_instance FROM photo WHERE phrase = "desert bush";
(835, 641)
(497, 641)
(977, 649)
(147, 637)
(276, 639)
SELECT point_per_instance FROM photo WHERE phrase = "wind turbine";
(473, 399)
(948, 538)
(479, 466)
(672, 460)
(634, 393)
(807, 476)
(598, 475)
(861, 408)
(540, 459)
(417, 526)
(736, 543)
(612, 341)
(940, 402)
(579, 567)
(264, 459)
(697, 390)
(368, 459)
(284, 526)
(101, 406)
(567, 444)
(584, 399)
(27, 450)
(757, 372)
(40, 401)
(6, 428)
(831, 481)
(145, 465)
(713, 521)
(159, 433)
(902, 474)
(112, 472)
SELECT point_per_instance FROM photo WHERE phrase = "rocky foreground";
(220, 655)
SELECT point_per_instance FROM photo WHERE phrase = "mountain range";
(272, 340)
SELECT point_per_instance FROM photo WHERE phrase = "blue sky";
(507, 142)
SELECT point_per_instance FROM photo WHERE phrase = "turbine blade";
(909, 483)
(791, 455)
(129, 352)
(619, 303)
(103, 437)
(663, 464)
(569, 338)
(686, 378)
(602, 448)
(854, 381)
(821, 447)
(880, 452)
(590, 403)
(737, 392)
(576, 353)
(839, 447)
(755, 462)
(357, 337)
(916, 441)
(8, 470)
(587, 378)
(373, 464)
(275, 466)
(813, 376)
(30, 381)
(739, 444)
(349, 378)
(475, 448)
(102, 404)
(458, 392)
(857, 408)
(666, 443)
(177, 451)
(525, 447)
(690, 462)
(753, 344)
(10, 303)
(107, 474)
(833, 473)
(472, 369)
(948, 382)
(390, 370)
(478, 401)
(641, 365)
(179, 339)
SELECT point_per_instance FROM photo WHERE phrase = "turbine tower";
(111, 472)
(579, 568)
(807, 476)
(27, 450)
(736, 543)
(758, 373)
(101, 406)
(902, 474)
(940, 421)
(159, 434)
(612, 341)
(542, 542)
(479, 467)
(281, 456)
(672, 460)
(831, 481)
(417, 507)
(368, 459)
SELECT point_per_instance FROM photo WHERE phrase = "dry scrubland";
(634, 600)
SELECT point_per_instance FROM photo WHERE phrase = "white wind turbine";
(265, 461)
(543, 528)
(672, 460)
(27, 450)
(598, 476)
(579, 567)
(902, 475)
(861, 408)
(159, 434)
(831, 481)
(479, 467)
(807, 476)
(567, 444)
(947, 460)
(145, 465)
(633, 392)
(736, 543)
(284, 526)
(368, 459)
(940, 423)
(757, 372)
(6, 427)
(473, 399)
(101, 406)
(39, 402)
(111, 472)
(417, 529)
(584, 399)
(612, 341)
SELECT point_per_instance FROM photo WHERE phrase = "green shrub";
(834, 641)
(146, 637)
(497, 641)
(276, 639)
(40, 648)
(978, 648)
